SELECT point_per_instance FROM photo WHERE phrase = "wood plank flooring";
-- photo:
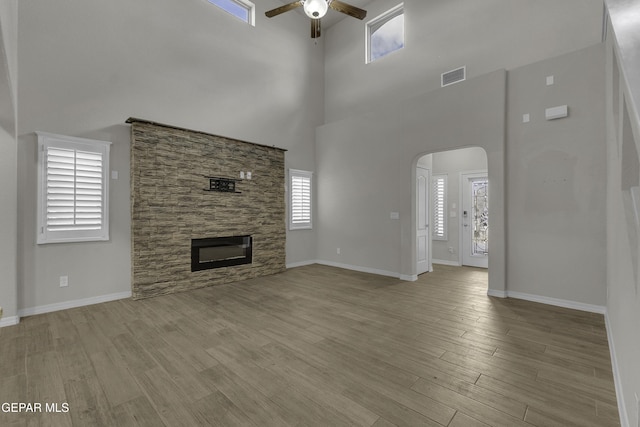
(314, 346)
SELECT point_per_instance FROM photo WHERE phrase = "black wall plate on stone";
(223, 185)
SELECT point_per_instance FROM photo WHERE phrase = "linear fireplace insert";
(220, 252)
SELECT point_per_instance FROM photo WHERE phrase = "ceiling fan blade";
(315, 28)
(348, 9)
(282, 9)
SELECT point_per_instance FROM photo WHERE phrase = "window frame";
(376, 23)
(305, 225)
(48, 141)
(245, 4)
(436, 203)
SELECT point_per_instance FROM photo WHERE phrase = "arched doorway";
(451, 200)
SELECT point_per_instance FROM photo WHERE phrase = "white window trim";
(249, 6)
(296, 173)
(49, 140)
(445, 225)
(377, 22)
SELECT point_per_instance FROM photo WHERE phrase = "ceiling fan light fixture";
(316, 9)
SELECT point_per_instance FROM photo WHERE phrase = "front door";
(475, 220)
(423, 238)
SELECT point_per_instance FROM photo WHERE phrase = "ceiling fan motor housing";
(315, 9)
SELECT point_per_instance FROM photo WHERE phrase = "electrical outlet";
(64, 281)
(450, 249)
(338, 251)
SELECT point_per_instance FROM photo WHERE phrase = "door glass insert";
(480, 216)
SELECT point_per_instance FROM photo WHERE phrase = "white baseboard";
(497, 294)
(617, 379)
(359, 268)
(591, 308)
(41, 309)
(9, 321)
(301, 263)
(406, 277)
(445, 262)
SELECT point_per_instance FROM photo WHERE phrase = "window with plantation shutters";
(300, 184)
(72, 189)
(439, 227)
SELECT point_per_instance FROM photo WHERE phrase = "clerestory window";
(385, 34)
(241, 9)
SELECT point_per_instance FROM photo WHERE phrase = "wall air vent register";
(454, 76)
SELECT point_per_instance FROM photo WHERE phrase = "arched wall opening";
(494, 161)
(445, 213)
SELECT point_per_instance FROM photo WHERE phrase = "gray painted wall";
(187, 64)
(556, 179)
(8, 219)
(9, 30)
(625, 19)
(623, 231)
(366, 170)
(445, 34)
(558, 166)
(8, 162)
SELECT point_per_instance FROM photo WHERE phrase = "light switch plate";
(395, 215)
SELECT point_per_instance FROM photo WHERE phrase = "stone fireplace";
(188, 233)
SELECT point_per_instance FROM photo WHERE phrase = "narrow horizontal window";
(440, 207)
(300, 189)
(73, 190)
(385, 34)
(241, 9)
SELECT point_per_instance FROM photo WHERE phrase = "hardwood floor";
(315, 345)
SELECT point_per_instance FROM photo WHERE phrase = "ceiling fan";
(316, 9)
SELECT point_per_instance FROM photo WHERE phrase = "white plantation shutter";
(439, 226)
(73, 189)
(300, 185)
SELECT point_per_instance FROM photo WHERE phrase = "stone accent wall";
(169, 206)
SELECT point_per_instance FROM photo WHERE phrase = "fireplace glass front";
(220, 252)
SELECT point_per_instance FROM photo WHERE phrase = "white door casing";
(423, 236)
